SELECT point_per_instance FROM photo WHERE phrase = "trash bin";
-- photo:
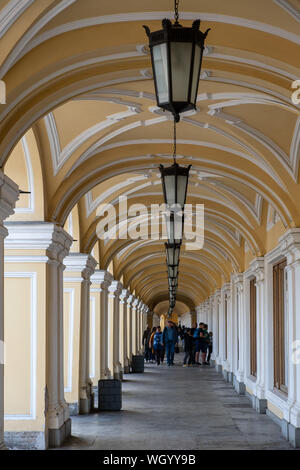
(137, 365)
(109, 395)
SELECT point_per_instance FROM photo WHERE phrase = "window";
(253, 329)
(279, 327)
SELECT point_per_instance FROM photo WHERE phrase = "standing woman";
(158, 346)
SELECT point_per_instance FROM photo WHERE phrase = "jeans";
(170, 350)
(188, 355)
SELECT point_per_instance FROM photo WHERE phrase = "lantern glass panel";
(174, 226)
(196, 73)
(181, 54)
(170, 188)
(182, 182)
(160, 59)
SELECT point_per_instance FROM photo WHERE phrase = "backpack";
(197, 333)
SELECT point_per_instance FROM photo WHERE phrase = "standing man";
(170, 339)
(146, 344)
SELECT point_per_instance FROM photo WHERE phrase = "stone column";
(114, 330)
(9, 194)
(238, 334)
(260, 403)
(124, 359)
(223, 341)
(215, 330)
(57, 412)
(79, 268)
(134, 326)
(129, 328)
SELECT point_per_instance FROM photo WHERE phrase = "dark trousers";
(209, 353)
(147, 353)
(159, 355)
(188, 355)
(170, 350)
(193, 353)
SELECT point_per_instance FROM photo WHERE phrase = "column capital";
(9, 194)
(103, 278)
(290, 245)
(115, 288)
(135, 302)
(130, 300)
(39, 236)
(124, 296)
(217, 295)
(82, 263)
(257, 268)
(226, 288)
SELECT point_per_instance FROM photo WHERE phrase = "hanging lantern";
(176, 55)
(175, 182)
(173, 252)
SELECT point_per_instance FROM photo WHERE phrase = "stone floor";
(175, 408)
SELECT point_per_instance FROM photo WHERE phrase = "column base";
(240, 387)
(219, 368)
(85, 405)
(56, 437)
(2, 446)
(259, 404)
(126, 369)
(294, 436)
(27, 440)
(228, 376)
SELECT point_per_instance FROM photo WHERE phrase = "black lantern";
(173, 252)
(175, 182)
(176, 55)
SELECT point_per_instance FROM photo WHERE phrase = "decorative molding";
(80, 262)
(33, 343)
(9, 194)
(38, 236)
(31, 206)
(11, 12)
(61, 156)
(295, 149)
(290, 9)
(16, 53)
(158, 15)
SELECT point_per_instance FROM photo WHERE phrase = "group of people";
(197, 343)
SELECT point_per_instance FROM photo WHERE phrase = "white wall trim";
(33, 344)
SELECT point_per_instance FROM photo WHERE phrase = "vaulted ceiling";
(79, 84)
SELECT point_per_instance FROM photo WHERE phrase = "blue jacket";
(170, 335)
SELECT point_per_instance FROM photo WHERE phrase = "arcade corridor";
(175, 408)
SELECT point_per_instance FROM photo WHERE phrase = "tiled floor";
(177, 408)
